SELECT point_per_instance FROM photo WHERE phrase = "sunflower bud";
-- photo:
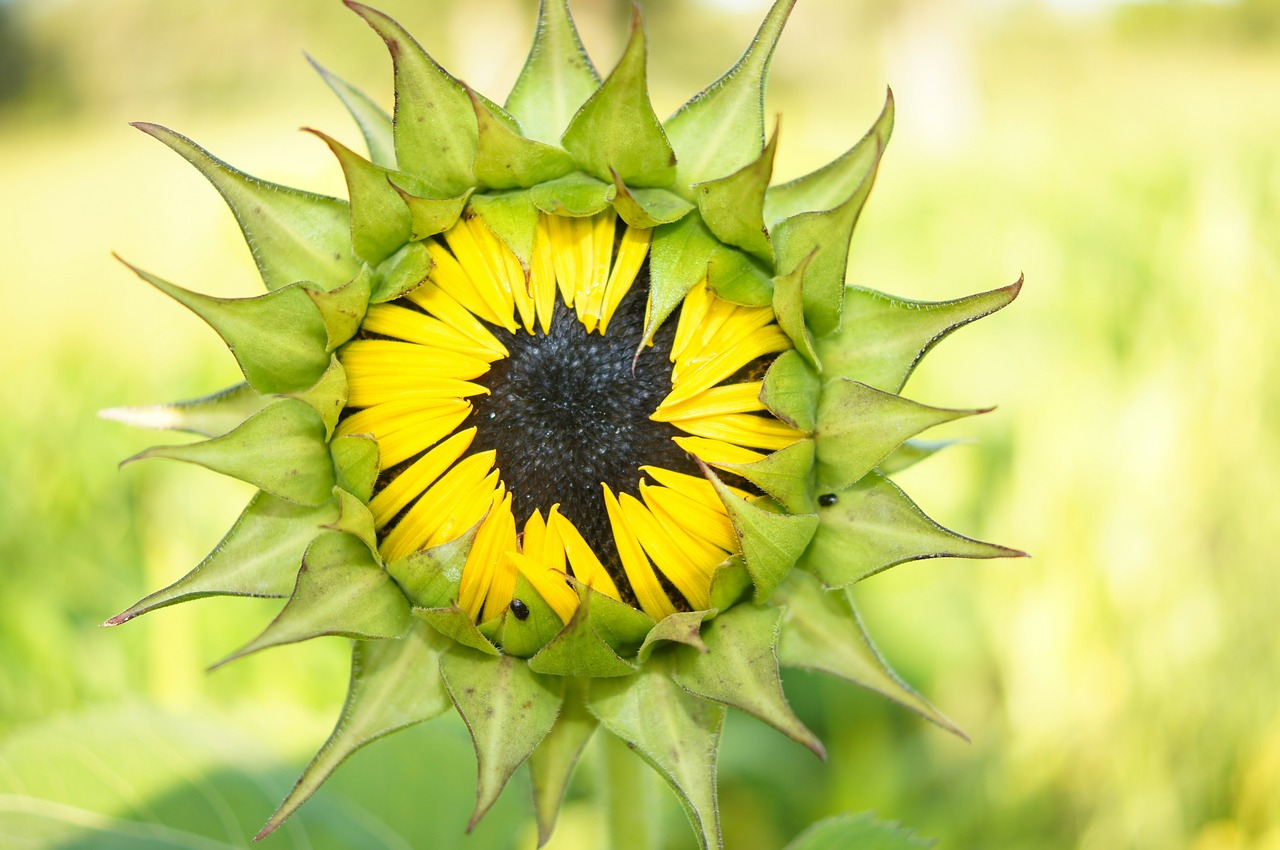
(567, 416)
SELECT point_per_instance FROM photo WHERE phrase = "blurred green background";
(1122, 687)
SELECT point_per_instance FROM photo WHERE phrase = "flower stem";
(630, 792)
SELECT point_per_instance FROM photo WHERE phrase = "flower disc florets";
(568, 412)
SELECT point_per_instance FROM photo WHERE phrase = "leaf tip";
(148, 127)
(271, 826)
(142, 455)
(1015, 289)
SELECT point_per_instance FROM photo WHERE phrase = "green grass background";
(1121, 687)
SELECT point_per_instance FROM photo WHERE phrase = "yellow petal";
(711, 522)
(542, 276)
(550, 585)
(366, 357)
(715, 368)
(448, 309)
(483, 559)
(632, 250)
(717, 452)
(699, 489)
(412, 326)
(586, 566)
(644, 582)
(411, 483)
(727, 398)
(406, 426)
(455, 495)
(744, 429)
(692, 579)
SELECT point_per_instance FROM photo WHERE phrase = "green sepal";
(429, 216)
(401, 273)
(557, 78)
(280, 449)
(342, 591)
(834, 183)
(873, 525)
(492, 628)
(355, 464)
(678, 258)
(259, 556)
(788, 309)
(721, 129)
(675, 732)
(786, 475)
(278, 339)
(454, 623)
(327, 396)
(523, 638)
(683, 627)
(342, 309)
(574, 195)
(822, 238)
(394, 684)
(821, 631)
(738, 278)
(380, 221)
(507, 160)
(733, 206)
(910, 453)
(508, 709)
(430, 577)
(552, 762)
(739, 668)
(648, 207)
(579, 650)
(771, 542)
(883, 338)
(791, 391)
(355, 519)
(435, 127)
(862, 831)
(293, 235)
(730, 583)
(372, 119)
(617, 130)
(858, 426)
(210, 416)
(622, 627)
(513, 218)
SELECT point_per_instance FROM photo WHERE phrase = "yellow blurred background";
(1121, 688)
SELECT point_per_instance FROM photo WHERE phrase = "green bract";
(533, 685)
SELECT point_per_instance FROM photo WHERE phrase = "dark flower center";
(567, 411)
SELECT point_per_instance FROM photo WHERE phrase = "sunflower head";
(567, 416)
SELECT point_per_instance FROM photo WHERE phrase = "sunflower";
(567, 416)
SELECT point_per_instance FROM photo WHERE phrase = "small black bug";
(520, 610)
(828, 499)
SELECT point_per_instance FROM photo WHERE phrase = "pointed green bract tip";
(721, 129)
(617, 130)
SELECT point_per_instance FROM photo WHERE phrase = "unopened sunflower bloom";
(567, 416)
